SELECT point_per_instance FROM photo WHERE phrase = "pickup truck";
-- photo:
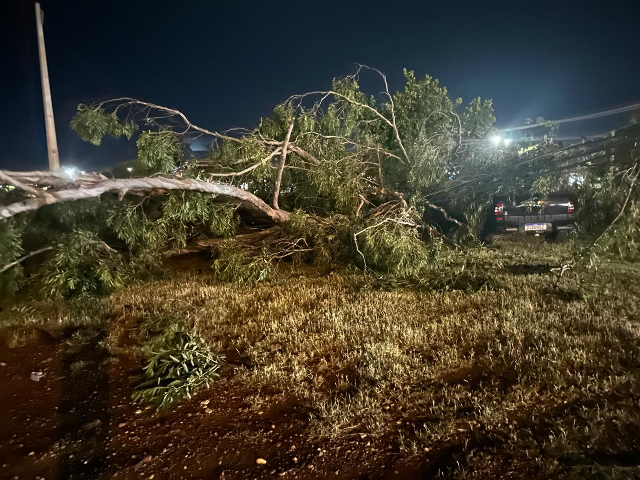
(549, 215)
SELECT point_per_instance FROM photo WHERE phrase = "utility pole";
(52, 142)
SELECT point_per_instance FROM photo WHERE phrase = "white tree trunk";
(91, 186)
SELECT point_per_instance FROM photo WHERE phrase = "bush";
(178, 363)
(84, 265)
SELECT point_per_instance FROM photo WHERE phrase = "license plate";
(535, 227)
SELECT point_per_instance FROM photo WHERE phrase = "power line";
(605, 113)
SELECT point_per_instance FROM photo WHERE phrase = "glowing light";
(575, 179)
(129, 169)
(71, 172)
(507, 141)
(496, 139)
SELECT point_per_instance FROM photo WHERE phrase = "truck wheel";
(561, 237)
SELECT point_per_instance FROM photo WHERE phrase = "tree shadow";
(84, 407)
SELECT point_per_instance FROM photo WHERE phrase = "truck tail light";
(499, 211)
(570, 207)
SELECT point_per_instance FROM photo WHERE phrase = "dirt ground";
(77, 421)
(522, 382)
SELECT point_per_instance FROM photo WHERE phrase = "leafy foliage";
(161, 151)
(147, 226)
(177, 364)
(185, 212)
(10, 250)
(394, 249)
(331, 238)
(243, 265)
(83, 264)
(92, 124)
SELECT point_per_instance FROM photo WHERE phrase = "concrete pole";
(52, 142)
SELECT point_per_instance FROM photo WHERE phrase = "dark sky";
(226, 64)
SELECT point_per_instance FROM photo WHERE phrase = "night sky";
(226, 64)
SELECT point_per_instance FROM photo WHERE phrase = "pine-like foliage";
(177, 364)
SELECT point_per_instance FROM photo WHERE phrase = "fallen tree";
(346, 178)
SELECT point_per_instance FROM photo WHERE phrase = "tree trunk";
(94, 186)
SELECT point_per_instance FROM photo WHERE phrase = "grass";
(543, 376)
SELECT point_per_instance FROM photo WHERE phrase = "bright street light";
(71, 171)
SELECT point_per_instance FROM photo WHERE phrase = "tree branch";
(211, 243)
(4, 178)
(283, 160)
(248, 169)
(151, 185)
(47, 178)
(22, 259)
(355, 235)
(443, 212)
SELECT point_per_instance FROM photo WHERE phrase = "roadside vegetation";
(530, 375)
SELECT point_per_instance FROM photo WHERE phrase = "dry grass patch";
(500, 371)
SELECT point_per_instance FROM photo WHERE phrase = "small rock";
(122, 424)
(261, 461)
(208, 410)
(205, 402)
(146, 459)
(363, 435)
(427, 449)
(91, 425)
(36, 376)
(32, 453)
(2, 364)
(138, 412)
